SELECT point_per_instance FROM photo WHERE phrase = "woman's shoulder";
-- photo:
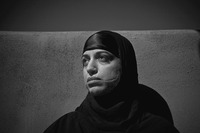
(156, 124)
(57, 126)
(67, 123)
(151, 101)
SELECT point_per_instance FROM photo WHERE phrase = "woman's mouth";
(90, 79)
(94, 81)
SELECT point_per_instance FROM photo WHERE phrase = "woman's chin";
(100, 89)
(96, 90)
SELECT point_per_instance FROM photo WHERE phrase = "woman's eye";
(84, 61)
(104, 59)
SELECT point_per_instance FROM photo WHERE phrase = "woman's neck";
(119, 94)
(111, 99)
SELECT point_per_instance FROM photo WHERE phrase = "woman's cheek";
(112, 73)
(85, 76)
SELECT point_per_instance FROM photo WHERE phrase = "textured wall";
(41, 75)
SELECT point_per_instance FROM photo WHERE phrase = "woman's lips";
(93, 81)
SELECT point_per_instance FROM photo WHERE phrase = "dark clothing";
(130, 116)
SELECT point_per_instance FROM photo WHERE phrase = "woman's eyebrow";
(85, 56)
(106, 52)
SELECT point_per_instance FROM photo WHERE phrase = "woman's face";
(101, 71)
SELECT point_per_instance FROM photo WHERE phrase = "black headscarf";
(119, 107)
(122, 48)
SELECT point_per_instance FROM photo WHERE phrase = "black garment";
(131, 116)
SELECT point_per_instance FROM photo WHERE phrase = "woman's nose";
(92, 68)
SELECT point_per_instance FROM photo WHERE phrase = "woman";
(116, 102)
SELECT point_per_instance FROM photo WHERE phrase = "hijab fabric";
(123, 107)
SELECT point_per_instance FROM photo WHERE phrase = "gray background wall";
(41, 75)
(87, 15)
